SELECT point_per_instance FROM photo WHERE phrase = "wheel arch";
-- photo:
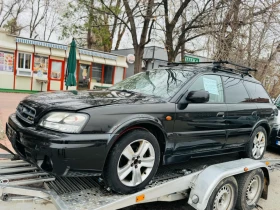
(149, 124)
(210, 177)
(266, 183)
(265, 125)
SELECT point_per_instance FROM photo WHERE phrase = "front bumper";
(59, 153)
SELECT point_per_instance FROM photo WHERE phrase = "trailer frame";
(197, 186)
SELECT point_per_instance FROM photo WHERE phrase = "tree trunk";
(184, 18)
(138, 52)
(226, 38)
(90, 20)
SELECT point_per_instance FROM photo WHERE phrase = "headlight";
(63, 121)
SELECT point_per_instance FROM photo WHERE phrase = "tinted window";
(235, 91)
(212, 84)
(96, 72)
(257, 92)
(108, 74)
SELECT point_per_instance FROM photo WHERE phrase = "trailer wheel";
(224, 195)
(250, 189)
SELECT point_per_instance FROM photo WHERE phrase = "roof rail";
(218, 66)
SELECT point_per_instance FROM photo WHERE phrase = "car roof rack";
(219, 66)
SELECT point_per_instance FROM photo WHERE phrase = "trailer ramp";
(21, 173)
(82, 193)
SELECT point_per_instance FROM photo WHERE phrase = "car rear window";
(257, 92)
(235, 91)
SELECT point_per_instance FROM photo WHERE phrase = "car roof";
(208, 69)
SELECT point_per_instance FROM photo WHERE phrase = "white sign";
(39, 73)
(211, 86)
(130, 58)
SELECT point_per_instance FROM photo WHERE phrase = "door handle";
(220, 114)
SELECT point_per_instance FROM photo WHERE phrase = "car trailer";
(207, 183)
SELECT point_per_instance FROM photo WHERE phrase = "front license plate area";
(11, 133)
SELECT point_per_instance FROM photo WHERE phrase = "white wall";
(118, 74)
(6, 80)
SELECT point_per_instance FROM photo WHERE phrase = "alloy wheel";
(136, 162)
(258, 145)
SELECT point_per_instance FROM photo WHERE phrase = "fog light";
(195, 199)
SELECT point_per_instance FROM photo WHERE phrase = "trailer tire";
(224, 195)
(133, 162)
(250, 182)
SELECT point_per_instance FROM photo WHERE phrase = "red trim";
(33, 55)
(90, 75)
(49, 73)
(62, 75)
(102, 74)
(124, 73)
(78, 73)
(129, 129)
(32, 68)
(15, 67)
(113, 76)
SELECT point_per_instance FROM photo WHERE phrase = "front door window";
(56, 69)
(56, 75)
(84, 77)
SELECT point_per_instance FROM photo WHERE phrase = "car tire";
(256, 147)
(250, 187)
(132, 162)
(224, 195)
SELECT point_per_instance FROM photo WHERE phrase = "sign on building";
(190, 59)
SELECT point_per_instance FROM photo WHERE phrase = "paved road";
(8, 103)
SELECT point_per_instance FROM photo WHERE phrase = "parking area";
(8, 103)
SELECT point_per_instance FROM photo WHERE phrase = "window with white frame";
(24, 62)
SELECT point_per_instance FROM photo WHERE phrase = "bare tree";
(183, 22)
(51, 21)
(38, 11)
(11, 10)
(232, 19)
(138, 12)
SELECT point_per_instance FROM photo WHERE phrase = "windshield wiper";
(124, 90)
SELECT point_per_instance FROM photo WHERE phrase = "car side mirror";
(199, 96)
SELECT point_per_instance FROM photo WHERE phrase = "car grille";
(26, 113)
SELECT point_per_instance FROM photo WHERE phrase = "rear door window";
(211, 83)
(235, 91)
(257, 92)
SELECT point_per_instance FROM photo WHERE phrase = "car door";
(200, 127)
(267, 111)
(242, 113)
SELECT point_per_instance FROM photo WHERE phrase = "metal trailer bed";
(194, 180)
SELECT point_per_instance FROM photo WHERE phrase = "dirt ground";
(8, 104)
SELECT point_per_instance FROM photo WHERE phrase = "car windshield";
(161, 82)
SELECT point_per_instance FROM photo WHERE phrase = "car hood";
(77, 100)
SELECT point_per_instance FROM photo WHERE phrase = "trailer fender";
(205, 182)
